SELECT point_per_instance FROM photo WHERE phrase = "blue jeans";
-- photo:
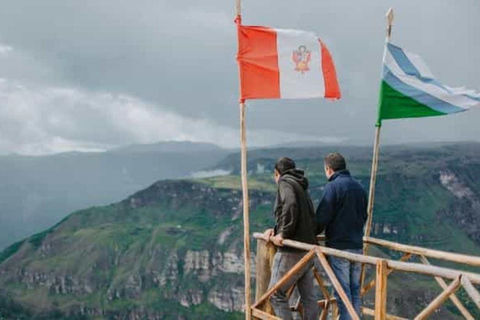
(348, 274)
(282, 263)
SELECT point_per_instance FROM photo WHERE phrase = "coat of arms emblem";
(301, 57)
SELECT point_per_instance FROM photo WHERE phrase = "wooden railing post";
(371, 284)
(381, 290)
(264, 259)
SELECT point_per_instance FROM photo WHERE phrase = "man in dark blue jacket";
(342, 214)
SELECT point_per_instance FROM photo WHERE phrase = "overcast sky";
(89, 75)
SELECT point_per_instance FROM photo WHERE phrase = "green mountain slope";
(174, 250)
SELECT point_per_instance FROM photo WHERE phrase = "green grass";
(235, 182)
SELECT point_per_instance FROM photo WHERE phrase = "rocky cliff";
(148, 255)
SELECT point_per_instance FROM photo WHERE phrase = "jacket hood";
(296, 175)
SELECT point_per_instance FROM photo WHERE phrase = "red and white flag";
(282, 64)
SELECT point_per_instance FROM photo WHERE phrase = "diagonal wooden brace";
(466, 314)
(471, 291)
(438, 301)
(321, 284)
(336, 284)
(296, 268)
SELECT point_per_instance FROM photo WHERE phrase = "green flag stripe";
(395, 105)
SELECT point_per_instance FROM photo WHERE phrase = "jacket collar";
(339, 173)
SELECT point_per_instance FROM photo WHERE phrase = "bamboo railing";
(384, 267)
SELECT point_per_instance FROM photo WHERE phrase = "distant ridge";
(170, 147)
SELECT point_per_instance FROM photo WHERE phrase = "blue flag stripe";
(419, 95)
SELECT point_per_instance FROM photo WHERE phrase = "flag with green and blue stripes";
(410, 90)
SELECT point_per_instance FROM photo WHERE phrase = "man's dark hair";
(335, 161)
(284, 164)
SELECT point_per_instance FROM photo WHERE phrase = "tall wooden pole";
(373, 180)
(376, 149)
(246, 222)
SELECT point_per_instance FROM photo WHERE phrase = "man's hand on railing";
(267, 234)
(277, 240)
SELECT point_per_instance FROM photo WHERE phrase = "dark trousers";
(282, 263)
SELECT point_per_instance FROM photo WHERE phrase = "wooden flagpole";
(238, 8)
(246, 214)
(246, 223)
(376, 149)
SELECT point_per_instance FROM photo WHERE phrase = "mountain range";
(174, 249)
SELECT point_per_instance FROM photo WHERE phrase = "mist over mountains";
(38, 191)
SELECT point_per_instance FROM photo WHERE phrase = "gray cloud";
(43, 119)
(176, 59)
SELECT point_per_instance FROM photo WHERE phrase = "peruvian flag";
(282, 64)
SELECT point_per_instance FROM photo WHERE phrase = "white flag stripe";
(421, 66)
(431, 89)
(462, 90)
(295, 83)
